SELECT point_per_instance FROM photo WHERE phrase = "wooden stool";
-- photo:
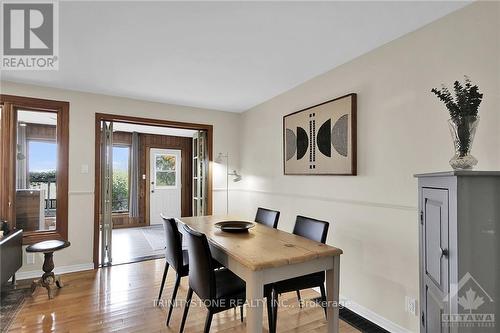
(48, 279)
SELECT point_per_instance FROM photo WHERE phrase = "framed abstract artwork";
(321, 140)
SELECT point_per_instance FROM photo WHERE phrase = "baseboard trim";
(57, 270)
(373, 317)
(370, 315)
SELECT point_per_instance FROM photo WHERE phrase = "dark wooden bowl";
(235, 226)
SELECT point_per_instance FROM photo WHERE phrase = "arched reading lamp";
(237, 177)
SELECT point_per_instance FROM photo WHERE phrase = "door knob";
(444, 252)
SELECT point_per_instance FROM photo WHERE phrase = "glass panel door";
(106, 192)
(200, 173)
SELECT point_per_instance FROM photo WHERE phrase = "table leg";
(59, 282)
(34, 285)
(332, 295)
(48, 279)
(255, 297)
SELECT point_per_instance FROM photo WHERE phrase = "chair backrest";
(173, 240)
(201, 270)
(313, 229)
(267, 217)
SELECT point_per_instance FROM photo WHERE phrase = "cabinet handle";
(444, 252)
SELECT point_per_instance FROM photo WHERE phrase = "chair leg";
(270, 313)
(163, 282)
(186, 309)
(174, 294)
(323, 297)
(208, 321)
(275, 309)
(241, 313)
(300, 299)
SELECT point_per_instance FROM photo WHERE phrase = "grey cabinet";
(459, 251)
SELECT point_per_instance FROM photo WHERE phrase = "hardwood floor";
(122, 298)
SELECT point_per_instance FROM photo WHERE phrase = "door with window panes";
(165, 180)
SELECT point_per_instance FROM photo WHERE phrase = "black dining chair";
(267, 217)
(315, 230)
(218, 290)
(175, 257)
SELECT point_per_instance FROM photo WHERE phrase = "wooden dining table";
(266, 255)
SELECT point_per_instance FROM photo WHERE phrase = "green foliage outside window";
(165, 162)
(165, 170)
(120, 191)
(37, 177)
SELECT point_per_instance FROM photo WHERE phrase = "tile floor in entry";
(135, 244)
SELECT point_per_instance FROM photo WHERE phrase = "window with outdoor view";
(42, 166)
(121, 175)
(34, 164)
(165, 172)
(36, 170)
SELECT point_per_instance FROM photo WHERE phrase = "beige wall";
(402, 130)
(83, 107)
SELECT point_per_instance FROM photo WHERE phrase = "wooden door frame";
(99, 117)
(11, 104)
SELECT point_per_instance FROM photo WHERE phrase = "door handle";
(152, 191)
(444, 252)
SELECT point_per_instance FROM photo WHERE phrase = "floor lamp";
(237, 177)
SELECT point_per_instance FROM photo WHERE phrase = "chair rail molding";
(330, 199)
(81, 192)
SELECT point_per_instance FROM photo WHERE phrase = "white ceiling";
(220, 55)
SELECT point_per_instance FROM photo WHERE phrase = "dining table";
(264, 255)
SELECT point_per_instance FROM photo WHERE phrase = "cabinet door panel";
(435, 259)
(436, 236)
(433, 240)
(435, 309)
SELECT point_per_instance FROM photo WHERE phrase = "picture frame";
(322, 139)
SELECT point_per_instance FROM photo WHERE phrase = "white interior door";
(165, 179)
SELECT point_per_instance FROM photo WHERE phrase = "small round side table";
(48, 279)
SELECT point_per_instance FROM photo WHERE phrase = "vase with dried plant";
(463, 107)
